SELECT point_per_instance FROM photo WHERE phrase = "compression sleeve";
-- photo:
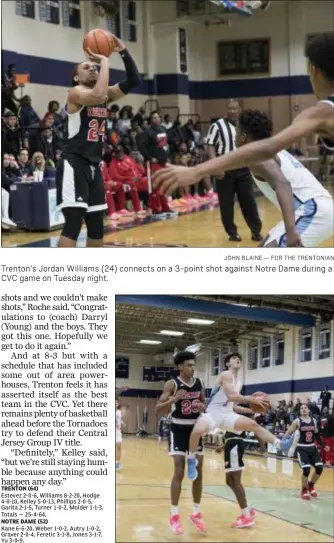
(133, 78)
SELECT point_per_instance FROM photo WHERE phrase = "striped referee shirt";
(222, 136)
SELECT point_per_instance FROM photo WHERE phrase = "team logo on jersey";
(95, 111)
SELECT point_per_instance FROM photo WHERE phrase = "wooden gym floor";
(197, 227)
(272, 487)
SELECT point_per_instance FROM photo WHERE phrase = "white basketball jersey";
(303, 183)
(118, 420)
(218, 398)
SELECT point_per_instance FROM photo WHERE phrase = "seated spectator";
(122, 168)
(124, 123)
(53, 111)
(198, 138)
(11, 134)
(114, 189)
(28, 115)
(112, 120)
(38, 168)
(175, 137)
(166, 123)
(144, 125)
(23, 162)
(43, 141)
(11, 167)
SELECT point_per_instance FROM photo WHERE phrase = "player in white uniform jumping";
(220, 414)
(118, 436)
(316, 119)
(307, 207)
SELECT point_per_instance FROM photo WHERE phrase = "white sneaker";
(7, 224)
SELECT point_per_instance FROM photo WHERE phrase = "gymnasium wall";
(49, 58)
(49, 52)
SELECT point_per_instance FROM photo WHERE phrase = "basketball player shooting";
(220, 413)
(185, 397)
(306, 433)
(316, 119)
(80, 188)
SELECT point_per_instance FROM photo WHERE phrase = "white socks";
(174, 510)
(245, 512)
(196, 507)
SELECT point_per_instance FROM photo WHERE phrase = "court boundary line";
(232, 501)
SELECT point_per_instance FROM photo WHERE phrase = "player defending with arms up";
(80, 188)
(307, 432)
(307, 207)
(220, 413)
(319, 119)
(185, 397)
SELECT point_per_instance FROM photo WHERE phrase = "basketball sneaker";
(252, 512)
(285, 444)
(197, 520)
(305, 494)
(243, 522)
(192, 471)
(312, 490)
(175, 525)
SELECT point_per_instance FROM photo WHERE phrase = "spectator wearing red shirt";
(122, 168)
(114, 193)
(327, 434)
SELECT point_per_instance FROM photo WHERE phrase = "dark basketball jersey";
(307, 431)
(85, 133)
(328, 142)
(186, 411)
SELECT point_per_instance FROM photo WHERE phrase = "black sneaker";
(235, 237)
(257, 237)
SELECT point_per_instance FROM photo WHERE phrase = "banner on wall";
(49, 11)
(25, 8)
(183, 56)
(122, 365)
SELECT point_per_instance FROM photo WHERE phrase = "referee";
(220, 141)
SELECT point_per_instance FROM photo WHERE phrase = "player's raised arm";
(133, 79)
(94, 91)
(233, 395)
(271, 172)
(292, 428)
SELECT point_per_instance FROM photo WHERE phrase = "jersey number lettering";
(96, 131)
(309, 437)
(188, 407)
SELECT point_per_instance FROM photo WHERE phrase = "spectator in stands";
(154, 147)
(112, 120)
(10, 167)
(140, 116)
(8, 87)
(175, 137)
(198, 138)
(124, 123)
(314, 409)
(297, 406)
(325, 398)
(290, 412)
(144, 125)
(28, 115)
(54, 111)
(11, 134)
(8, 177)
(121, 169)
(167, 124)
(23, 162)
(327, 434)
(39, 168)
(115, 193)
(44, 142)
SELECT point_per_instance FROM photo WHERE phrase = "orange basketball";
(258, 408)
(99, 41)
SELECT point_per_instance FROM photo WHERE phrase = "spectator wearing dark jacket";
(29, 117)
(175, 137)
(11, 135)
(325, 398)
(23, 162)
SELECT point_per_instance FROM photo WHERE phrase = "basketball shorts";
(79, 184)
(220, 418)
(314, 222)
(233, 454)
(308, 456)
(179, 440)
(118, 436)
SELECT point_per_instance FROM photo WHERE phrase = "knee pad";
(306, 472)
(73, 221)
(318, 469)
(94, 222)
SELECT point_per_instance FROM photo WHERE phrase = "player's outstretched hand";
(168, 179)
(119, 45)
(262, 401)
(95, 57)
